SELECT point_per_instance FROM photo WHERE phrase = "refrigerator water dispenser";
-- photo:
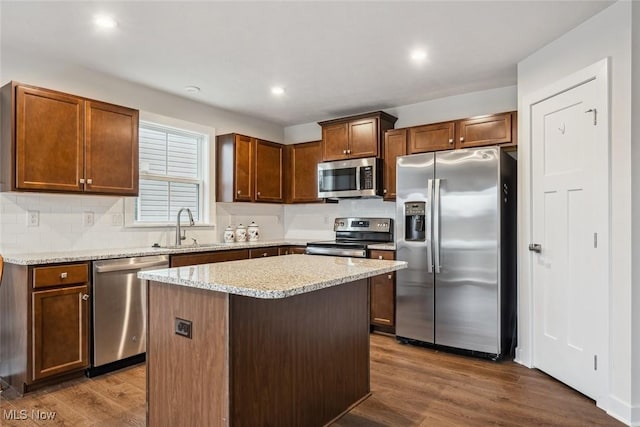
(414, 221)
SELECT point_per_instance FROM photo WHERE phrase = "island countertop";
(274, 277)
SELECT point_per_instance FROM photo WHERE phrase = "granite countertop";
(97, 254)
(274, 277)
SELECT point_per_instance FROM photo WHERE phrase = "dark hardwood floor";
(411, 386)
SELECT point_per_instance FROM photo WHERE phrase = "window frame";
(207, 184)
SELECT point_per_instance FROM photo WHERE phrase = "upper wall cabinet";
(249, 170)
(355, 136)
(438, 136)
(302, 177)
(52, 141)
(473, 132)
(486, 130)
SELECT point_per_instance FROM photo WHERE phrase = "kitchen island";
(280, 341)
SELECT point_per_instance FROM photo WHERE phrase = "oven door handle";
(355, 253)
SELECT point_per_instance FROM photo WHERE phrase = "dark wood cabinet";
(434, 137)
(264, 252)
(395, 144)
(182, 260)
(289, 250)
(60, 320)
(302, 178)
(270, 165)
(486, 130)
(355, 136)
(60, 331)
(52, 141)
(249, 170)
(111, 149)
(382, 291)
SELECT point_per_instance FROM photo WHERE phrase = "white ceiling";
(333, 58)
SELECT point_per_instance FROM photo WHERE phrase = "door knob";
(535, 247)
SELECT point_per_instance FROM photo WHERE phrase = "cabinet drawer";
(262, 252)
(379, 254)
(60, 275)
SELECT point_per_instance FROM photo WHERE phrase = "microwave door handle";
(428, 225)
(358, 172)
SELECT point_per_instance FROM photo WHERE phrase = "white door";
(570, 221)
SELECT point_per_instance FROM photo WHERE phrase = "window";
(171, 173)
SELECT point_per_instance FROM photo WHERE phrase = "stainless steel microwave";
(349, 178)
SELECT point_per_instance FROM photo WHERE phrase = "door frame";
(599, 72)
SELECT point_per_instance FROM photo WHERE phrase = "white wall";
(433, 111)
(607, 34)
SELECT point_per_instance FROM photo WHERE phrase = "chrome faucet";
(179, 237)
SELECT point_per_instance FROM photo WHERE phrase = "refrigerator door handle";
(428, 227)
(436, 225)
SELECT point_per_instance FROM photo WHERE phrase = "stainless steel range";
(353, 237)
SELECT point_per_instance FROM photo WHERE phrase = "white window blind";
(170, 173)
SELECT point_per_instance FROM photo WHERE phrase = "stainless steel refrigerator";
(456, 228)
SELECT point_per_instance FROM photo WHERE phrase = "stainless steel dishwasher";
(120, 311)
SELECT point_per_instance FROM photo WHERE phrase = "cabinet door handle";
(89, 181)
(85, 297)
(81, 180)
(450, 140)
(462, 139)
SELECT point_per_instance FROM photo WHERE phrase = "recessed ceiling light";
(418, 55)
(105, 21)
(277, 90)
(192, 89)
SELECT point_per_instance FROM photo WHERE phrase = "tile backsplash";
(78, 222)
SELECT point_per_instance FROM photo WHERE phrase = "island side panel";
(187, 379)
(14, 326)
(299, 361)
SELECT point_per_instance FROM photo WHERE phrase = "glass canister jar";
(253, 231)
(241, 233)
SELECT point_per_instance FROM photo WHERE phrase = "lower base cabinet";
(382, 291)
(60, 331)
(44, 324)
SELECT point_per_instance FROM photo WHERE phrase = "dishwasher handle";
(130, 266)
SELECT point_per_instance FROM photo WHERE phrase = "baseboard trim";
(521, 358)
(624, 412)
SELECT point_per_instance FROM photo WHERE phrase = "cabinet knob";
(348, 151)
(450, 140)
(85, 297)
(389, 277)
(379, 256)
(462, 139)
(264, 254)
(89, 181)
(258, 193)
(63, 275)
(81, 180)
(344, 151)
(384, 191)
(238, 191)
